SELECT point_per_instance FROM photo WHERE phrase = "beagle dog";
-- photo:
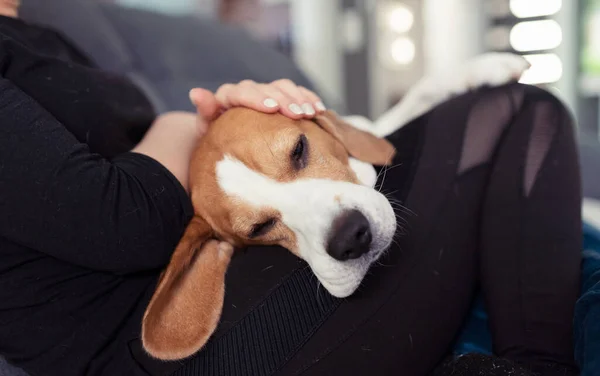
(306, 185)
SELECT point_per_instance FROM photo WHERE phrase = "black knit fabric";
(270, 334)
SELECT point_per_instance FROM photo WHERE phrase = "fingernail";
(270, 103)
(296, 109)
(308, 109)
(320, 106)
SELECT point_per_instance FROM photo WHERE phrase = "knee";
(548, 110)
(547, 107)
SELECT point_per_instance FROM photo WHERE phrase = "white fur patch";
(308, 207)
(365, 172)
(491, 69)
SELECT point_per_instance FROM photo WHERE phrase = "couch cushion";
(166, 55)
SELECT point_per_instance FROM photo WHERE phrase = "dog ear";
(187, 303)
(360, 144)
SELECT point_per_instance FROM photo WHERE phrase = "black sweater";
(85, 226)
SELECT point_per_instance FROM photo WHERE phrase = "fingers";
(246, 94)
(313, 99)
(284, 101)
(207, 106)
(284, 96)
(301, 101)
(296, 105)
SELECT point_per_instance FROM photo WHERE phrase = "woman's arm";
(103, 110)
(123, 215)
(57, 197)
(170, 141)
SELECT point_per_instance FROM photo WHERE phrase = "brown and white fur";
(266, 179)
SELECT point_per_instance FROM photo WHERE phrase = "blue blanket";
(476, 336)
(587, 311)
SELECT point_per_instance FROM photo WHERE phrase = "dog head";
(267, 179)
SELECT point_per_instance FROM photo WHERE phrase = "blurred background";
(361, 55)
(364, 54)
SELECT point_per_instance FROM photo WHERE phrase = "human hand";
(9, 8)
(282, 96)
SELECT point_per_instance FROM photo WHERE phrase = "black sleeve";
(123, 215)
(106, 111)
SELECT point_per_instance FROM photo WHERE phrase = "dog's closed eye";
(299, 155)
(261, 229)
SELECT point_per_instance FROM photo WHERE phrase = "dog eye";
(299, 155)
(262, 228)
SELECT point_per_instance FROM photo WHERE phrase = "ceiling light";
(400, 18)
(402, 51)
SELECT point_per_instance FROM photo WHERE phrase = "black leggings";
(491, 184)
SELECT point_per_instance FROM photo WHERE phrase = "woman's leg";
(530, 237)
(531, 234)
(530, 226)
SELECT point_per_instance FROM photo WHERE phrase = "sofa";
(167, 55)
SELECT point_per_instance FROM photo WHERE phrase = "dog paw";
(494, 69)
(490, 69)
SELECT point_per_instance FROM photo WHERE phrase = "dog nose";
(350, 237)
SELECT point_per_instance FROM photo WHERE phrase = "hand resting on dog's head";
(259, 178)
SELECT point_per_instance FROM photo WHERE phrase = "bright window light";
(545, 68)
(535, 8)
(402, 51)
(536, 35)
(400, 18)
